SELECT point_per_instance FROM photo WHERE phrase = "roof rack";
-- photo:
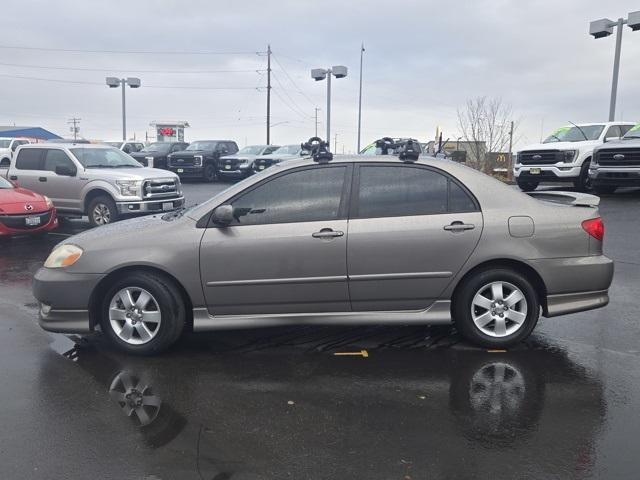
(385, 144)
(407, 150)
(319, 150)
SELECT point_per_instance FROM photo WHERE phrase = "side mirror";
(223, 215)
(65, 171)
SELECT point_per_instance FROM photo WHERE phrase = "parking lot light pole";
(114, 82)
(318, 74)
(603, 28)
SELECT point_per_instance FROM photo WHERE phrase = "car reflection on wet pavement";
(278, 403)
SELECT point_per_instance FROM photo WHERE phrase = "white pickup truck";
(565, 155)
(7, 148)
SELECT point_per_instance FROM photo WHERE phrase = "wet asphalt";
(278, 403)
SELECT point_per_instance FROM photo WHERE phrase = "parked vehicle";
(617, 164)
(127, 147)
(353, 240)
(240, 165)
(23, 211)
(155, 154)
(565, 155)
(200, 159)
(7, 149)
(286, 152)
(95, 180)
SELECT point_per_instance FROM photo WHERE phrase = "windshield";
(104, 158)
(161, 147)
(5, 143)
(288, 150)
(202, 146)
(575, 134)
(251, 150)
(633, 133)
(4, 184)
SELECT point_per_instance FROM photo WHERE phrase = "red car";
(23, 211)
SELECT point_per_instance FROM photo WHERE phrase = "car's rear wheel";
(143, 313)
(604, 189)
(210, 173)
(102, 211)
(527, 186)
(583, 182)
(496, 308)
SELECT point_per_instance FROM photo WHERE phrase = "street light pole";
(318, 74)
(114, 82)
(360, 97)
(124, 113)
(616, 71)
(328, 137)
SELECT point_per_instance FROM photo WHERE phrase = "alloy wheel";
(101, 214)
(499, 309)
(134, 315)
(135, 397)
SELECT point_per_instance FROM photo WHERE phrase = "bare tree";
(484, 123)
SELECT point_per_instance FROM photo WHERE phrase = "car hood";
(239, 157)
(143, 173)
(562, 145)
(630, 143)
(13, 201)
(187, 153)
(147, 154)
(288, 156)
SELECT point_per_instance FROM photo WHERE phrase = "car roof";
(13, 138)
(66, 145)
(606, 124)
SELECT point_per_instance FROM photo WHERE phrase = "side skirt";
(439, 313)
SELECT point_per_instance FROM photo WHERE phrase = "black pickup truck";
(155, 154)
(201, 159)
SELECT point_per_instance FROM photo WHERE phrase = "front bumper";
(64, 299)
(237, 173)
(51, 224)
(618, 176)
(149, 206)
(187, 172)
(548, 173)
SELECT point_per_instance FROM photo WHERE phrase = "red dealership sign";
(167, 131)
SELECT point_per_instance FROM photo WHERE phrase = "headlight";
(128, 188)
(570, 155)
(178, 187)
(48, 202)
(149, 161)
(63, 256)
(197, 160)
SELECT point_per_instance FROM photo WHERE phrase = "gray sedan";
(355, 240)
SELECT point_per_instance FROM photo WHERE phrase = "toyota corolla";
(348, 240)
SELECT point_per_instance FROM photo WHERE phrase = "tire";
(527, 186)
(102, 211)
(604, 189)
(209, 173)
(583, 182)
(508, 324)
(154, 318)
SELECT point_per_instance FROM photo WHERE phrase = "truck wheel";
(604, 189)
(527, 186)
(143, 313)
(210, 173)
(5, 163)
(496, 308)
(102, 211)
(583, 182)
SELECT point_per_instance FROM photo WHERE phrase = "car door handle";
(459, 226)
(42, 179)
(327, 233)
(13, 177)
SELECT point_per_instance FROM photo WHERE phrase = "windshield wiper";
(98, 166)
(581, 131)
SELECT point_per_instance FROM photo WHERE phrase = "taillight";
(594, 227)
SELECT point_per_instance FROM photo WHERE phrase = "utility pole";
(510, 170)
(75, 129)
(360, 97)
(316, 109)
(268, 94)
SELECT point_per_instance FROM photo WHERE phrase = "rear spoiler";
(567, 198)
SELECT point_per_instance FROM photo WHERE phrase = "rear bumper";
(64, 299)
(575, 302)
(132, 208)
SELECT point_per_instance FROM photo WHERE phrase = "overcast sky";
(422, 60)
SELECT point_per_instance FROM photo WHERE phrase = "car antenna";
(319, 150)
(581, 131)
(442, 144)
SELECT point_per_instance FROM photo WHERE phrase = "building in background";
(32, 133)
(170, 131)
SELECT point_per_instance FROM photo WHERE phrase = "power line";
(294, 83)
(134, 52)
(82, 69)
(275, 91)
(293, 102)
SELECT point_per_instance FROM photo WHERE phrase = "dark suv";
(617, 164)
(155, 154)
(200, 159)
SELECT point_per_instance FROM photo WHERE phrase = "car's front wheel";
(210, 173)
(527, 186)
(496, 308)
(583, 182)
(101, 211)
(143, 313)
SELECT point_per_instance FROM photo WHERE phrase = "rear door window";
(30, 159)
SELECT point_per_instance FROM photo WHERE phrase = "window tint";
(29, 159)
(613, 132)
(395, 191)
(301, 196)
(53, 158)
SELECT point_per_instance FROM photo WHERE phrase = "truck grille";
(160, 188)
(18, 221)
(542, 157)
(181, 161)
(263, 163)
(618, 158)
